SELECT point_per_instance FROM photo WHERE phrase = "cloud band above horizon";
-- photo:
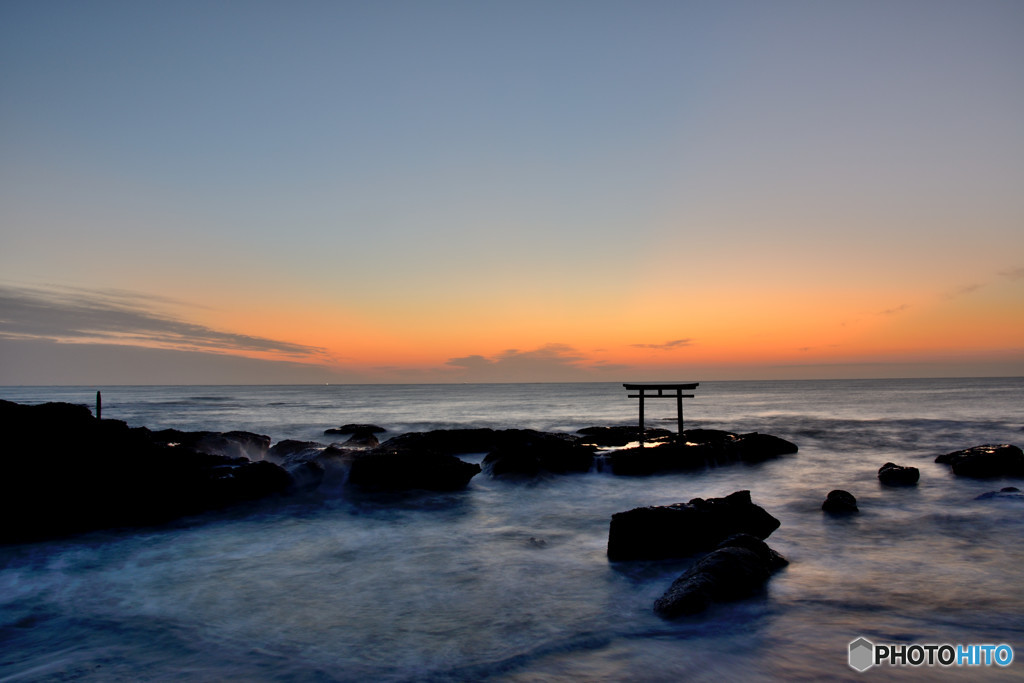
(74, 315)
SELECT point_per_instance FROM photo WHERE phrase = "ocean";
(509, 580)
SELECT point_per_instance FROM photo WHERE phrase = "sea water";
(509, 580)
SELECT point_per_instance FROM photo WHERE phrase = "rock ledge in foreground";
(659, 532)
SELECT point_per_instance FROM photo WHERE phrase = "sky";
(199, 192)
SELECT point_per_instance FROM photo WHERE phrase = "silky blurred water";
(509, 580)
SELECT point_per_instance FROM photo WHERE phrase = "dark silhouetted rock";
(699, 448)
(446, 441)
(657, 532)
(402, 471)
(1006, 493)
(892, 474)
(355, 429)
(111, 475)
(1004, 460)
(528, 453)
(524, 452)
(839, 502)
(755, 447)
(254, 480)
(737, 569)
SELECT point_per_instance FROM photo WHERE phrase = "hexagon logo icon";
(862, 654)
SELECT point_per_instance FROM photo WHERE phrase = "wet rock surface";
(698, 449)
(839, 502)
(738, 568)
(892, 474)
(1005, 493)
(1004, 460)
(234, 444)
(621, 435)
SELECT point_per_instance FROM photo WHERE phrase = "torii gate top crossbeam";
(677, 389)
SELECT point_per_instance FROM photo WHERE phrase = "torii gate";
(661, 388)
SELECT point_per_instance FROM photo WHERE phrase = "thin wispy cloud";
(963, 291)
(550, 354)
(549, 362)
(666, 346)
(84, 316)
(605, 366)
(1013, 273)
(895, 311)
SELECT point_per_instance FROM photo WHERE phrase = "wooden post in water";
(641, 397)
(679, 413)
(99, 406)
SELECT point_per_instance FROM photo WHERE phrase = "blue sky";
(400, 184)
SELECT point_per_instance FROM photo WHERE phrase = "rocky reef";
(65, 472)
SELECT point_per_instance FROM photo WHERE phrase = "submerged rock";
(356, 429)
(738, 568)
(892, 474)
(839, 502)
(658, 532)
(699, 448)
(1007, 493)
(1004, 460)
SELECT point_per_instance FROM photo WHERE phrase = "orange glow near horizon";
(652, 331)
